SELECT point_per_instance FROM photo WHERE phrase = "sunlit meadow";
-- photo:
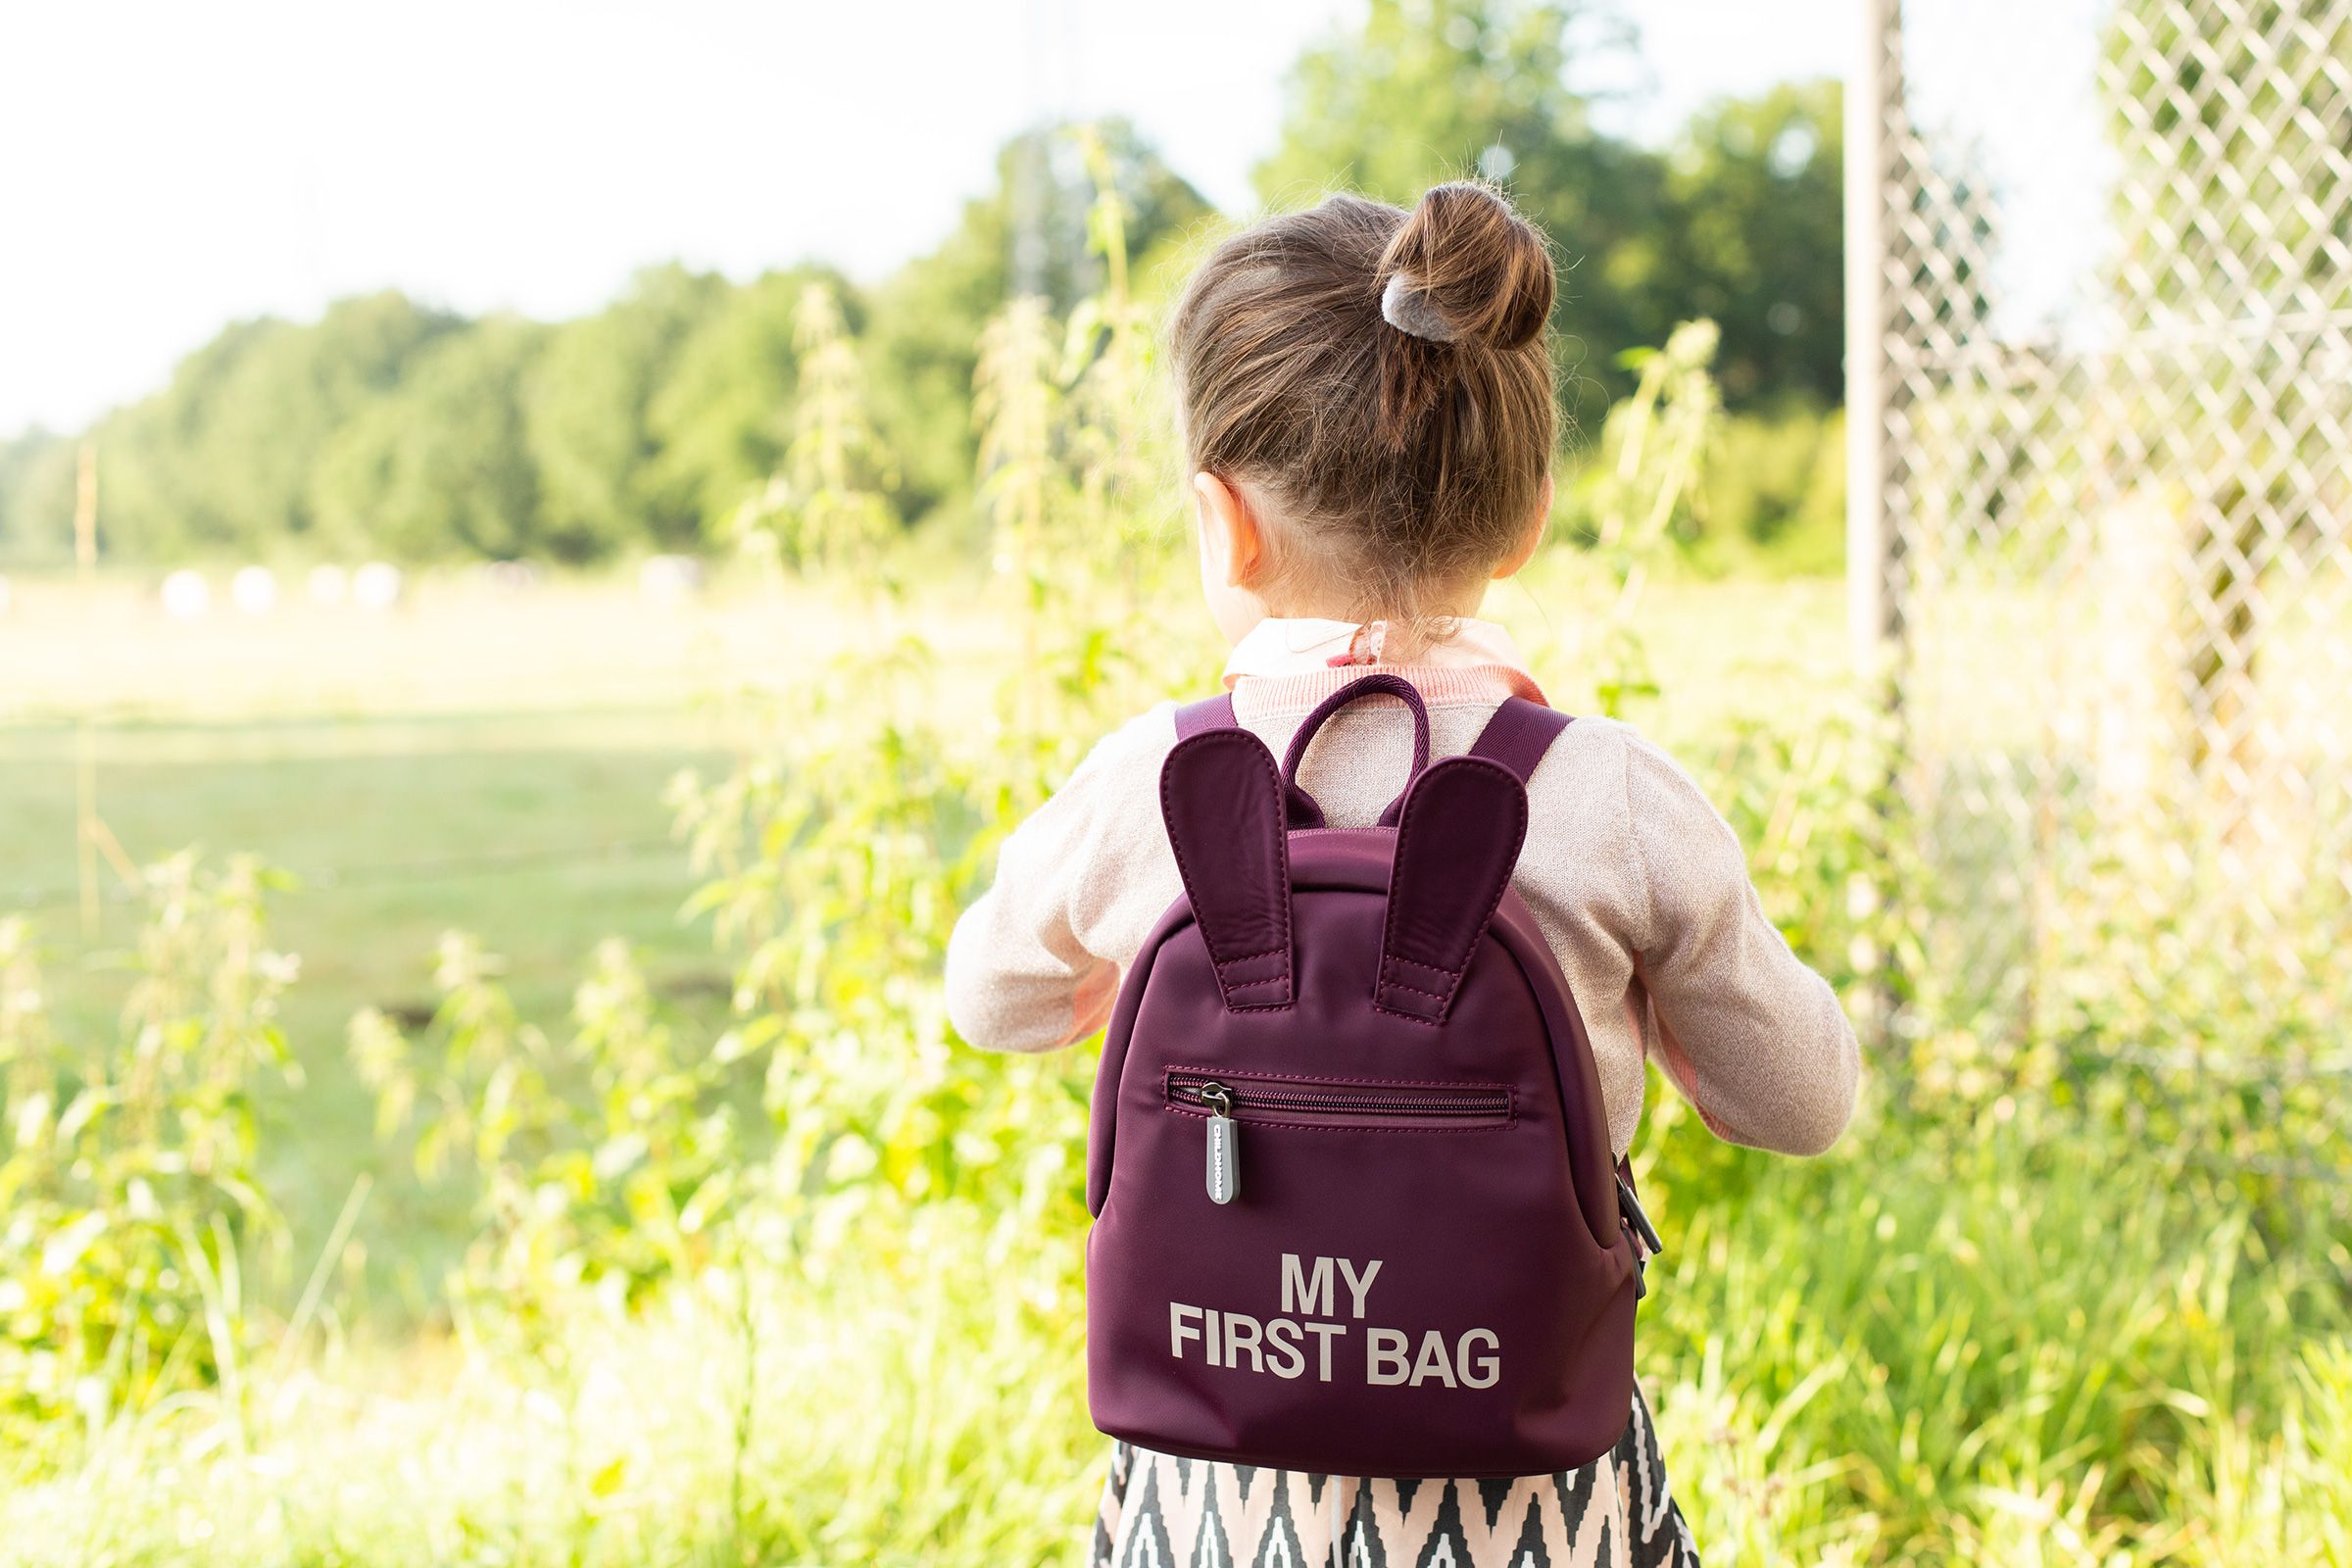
(782, 1273)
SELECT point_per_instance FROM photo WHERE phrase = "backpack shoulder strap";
(1519, 734)
(1210, 712)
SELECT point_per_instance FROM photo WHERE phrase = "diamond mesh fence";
(2102, 394)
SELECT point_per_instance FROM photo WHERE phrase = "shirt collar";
(1288, 660)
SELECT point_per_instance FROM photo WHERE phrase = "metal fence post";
(1869, 94)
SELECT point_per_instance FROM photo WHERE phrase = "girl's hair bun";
(1466, 268)
(1381, 381)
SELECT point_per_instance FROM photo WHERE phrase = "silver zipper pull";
(1224, 1148)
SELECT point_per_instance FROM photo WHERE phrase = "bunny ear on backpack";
(1221, 796)
(1457, 841)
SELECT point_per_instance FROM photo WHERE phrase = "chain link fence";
(2100, 351)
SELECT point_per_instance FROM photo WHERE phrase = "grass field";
(541, 832)
(1991, 1327)
(495, 764)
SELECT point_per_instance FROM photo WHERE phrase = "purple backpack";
(1354, 1210)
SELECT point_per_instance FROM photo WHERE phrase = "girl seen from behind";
(1369, 422)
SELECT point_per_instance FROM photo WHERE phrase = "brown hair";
(1393, 461)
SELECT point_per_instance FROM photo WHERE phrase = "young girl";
(1369, 420)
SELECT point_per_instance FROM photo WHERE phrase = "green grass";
(2031, 1341)
(541, 832)
(1995, 1332)
(496, 765)
(406, 811)
(1943, 1354)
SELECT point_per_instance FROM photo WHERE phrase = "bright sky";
(166, 167)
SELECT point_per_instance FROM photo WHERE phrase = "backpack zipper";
(1222, 1099)
(1198, 1090)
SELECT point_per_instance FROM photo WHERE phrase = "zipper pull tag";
(1224, 1150)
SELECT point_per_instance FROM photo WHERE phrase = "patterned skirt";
(1164, 1513)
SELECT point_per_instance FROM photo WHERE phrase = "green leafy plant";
(129, 1171)
(603, 1161)
(1626, 503)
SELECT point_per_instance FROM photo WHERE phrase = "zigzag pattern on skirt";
(1159, 1512)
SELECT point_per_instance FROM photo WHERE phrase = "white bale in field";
(669, 579)
(186, 595)
(377, 586)
(254, 590)
(509, 576)
(328, 584)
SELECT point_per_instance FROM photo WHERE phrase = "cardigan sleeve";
(1034, 963)
(1751, 1037)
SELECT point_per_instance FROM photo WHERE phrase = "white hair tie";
(1405, 308)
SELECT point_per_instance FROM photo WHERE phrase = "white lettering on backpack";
(1177, 1332)
(1304, 1292)
(1235, 1341)
(1277, 1347)
(1284, 1357)
(1324, 1334)
(1433, 1361)
(1479, 1373)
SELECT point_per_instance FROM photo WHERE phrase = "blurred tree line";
(391, 427)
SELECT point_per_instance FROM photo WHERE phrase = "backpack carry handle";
(1301, 806)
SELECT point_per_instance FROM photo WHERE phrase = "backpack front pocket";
(1228, 1101)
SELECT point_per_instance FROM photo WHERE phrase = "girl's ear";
(1525, 551)
(1231, 546)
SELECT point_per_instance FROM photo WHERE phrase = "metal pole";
(85, 562)
(1869, 97)
(1874, 117)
